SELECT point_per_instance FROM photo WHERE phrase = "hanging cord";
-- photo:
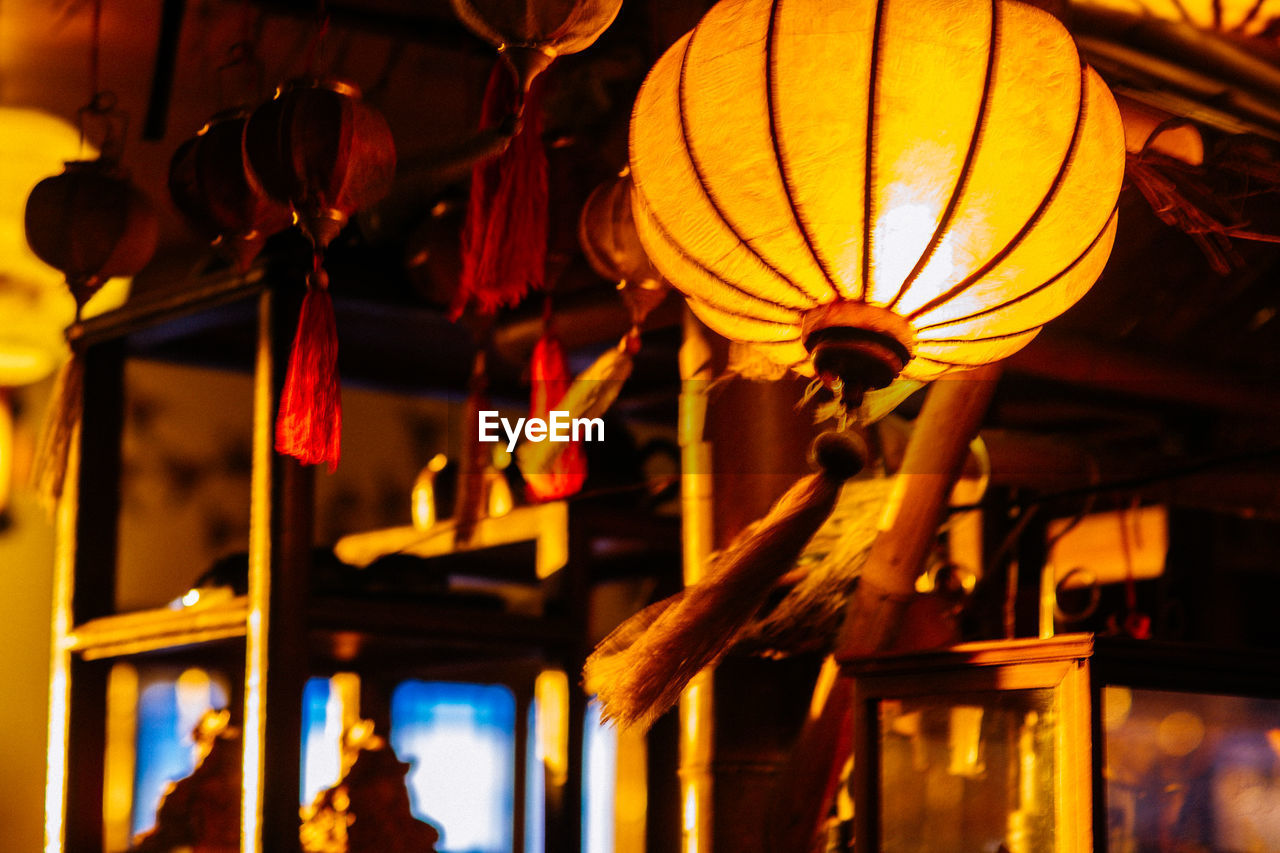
(315, 50)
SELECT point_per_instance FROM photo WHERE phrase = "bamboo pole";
(697, 709)
(935, 454)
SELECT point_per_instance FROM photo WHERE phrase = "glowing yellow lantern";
(877, 189)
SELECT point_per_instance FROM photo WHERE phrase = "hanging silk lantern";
(607, 234)
(871, 190)
(317, 147)
(92, 224)
(504, 237)
(35, 306)
(208, 185)
(608, 237)
(532, 33)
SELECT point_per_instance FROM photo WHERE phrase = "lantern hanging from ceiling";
(320, 149)
(35, 306)
(209, 187)
(504, 238)
(872, 190)
(532, 33)
(92, 224)
(607, 234)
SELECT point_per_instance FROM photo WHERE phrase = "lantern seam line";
(707, 271)
(966, 169)
(1031, 223)
(1182, 10)
(1248, 18)
(774, 140)
(870, 148)
(737, 315)
(699, 174)
(1015, 300)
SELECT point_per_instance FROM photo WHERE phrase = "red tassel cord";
(549, 377)
(309, 423)
(504, 238)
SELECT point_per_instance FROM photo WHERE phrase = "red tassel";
(549, 376)
(309, 423)
(504, 238)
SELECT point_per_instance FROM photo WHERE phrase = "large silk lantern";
(873, 190)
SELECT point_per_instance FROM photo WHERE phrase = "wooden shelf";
(159, 630)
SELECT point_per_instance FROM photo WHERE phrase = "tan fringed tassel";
(639, 670)
(49, 469)
(590, 396)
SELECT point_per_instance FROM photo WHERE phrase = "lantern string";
(95, 48)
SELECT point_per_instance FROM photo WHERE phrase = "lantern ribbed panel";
(951, 162)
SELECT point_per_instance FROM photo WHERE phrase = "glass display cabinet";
(460, 655)
(1070, 744)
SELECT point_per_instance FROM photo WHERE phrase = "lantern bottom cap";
(860, 346)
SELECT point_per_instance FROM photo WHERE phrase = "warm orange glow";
(423, 496)
(35, 305)
(951, 162)
(1249, 17)
(6, 447)
(551, 692)
(55, 789)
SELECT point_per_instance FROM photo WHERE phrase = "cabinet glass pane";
(460, 739)
(1191, 771)
(968, 773)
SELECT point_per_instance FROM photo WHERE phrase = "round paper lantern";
(91, 223)
(877, 189)
(532, 33)
(607, 233)
(319, 148)
(208, 185)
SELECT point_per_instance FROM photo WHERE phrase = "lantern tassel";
(504, 238)
(592, 393)
(309, 423)
(639, 670)
(564, 471)
(49, 469)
